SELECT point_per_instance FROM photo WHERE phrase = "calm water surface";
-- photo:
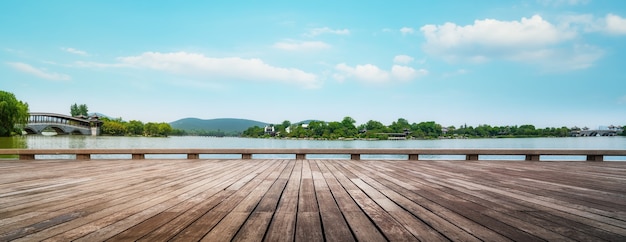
(103, 142)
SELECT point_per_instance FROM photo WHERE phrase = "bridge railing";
(355, 154)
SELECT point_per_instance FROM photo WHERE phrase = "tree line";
(118, 127)
(346, 129)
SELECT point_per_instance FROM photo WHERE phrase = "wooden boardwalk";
(311, 200)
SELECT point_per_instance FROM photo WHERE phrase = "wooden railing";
(355, 154)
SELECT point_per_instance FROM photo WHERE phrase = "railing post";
(300, 156)
(27, 156)
(83, 156)
(138, 156)
(595, 158)
(414, 156)
(355, 156)
(532, 157)
(471, 157)
(193, 156)
(246, 156)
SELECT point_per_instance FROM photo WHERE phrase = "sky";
(549, 63)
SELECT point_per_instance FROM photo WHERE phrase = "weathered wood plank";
(283, 225)
(308, 222)
(360, 225)
(335, 226)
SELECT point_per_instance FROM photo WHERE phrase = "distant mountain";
(222, 124)
(99, 115)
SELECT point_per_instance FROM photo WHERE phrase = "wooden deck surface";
(311, 200)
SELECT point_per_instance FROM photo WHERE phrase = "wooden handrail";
(355, 154)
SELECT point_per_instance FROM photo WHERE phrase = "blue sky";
(550, 63)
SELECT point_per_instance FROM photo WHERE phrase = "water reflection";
(15, 142)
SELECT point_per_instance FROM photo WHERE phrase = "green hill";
(227, 125)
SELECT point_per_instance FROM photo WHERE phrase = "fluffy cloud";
(615, 24)
(220, 68)
(369, 73)
(292, 45)
(494, 34)
(610, 24)
(531, 40)
(406, 30)
(26, 68)
(75, 51)
(402, 59)
(326, 30)
(563, 2)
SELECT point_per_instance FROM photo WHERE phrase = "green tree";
(399, 126)
(164, 129)
(254, 132)
(348, 127)
(13, 114)
(113, 127)
(135, 127)
(427, 129)
(78, 110)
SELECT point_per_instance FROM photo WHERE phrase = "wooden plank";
(335, 226)
(202, 196)
(308, 222)
(227, 228)
(360, 225)
(282, 227)
(204, 224)
(84, 211)
(138, 213)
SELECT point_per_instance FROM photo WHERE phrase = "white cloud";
(615, 24)
(369, 73)
(220, 68)
(402, 59)
(563, 2)
(407, 30)
(458, 72)
(610, 24)
(491, 33)
(75, 51)
(405, 73)
(26, 68)
(292, 45)
(326, 30)
(531, 40)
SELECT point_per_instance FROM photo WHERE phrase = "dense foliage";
(346, 129)
(13, 114)
(79, 110)
(118, 127)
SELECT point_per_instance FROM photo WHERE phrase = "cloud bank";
(211, 68)
(531, 40)
(44, 74)
(291, 45)
(75, 51)
(372, 74)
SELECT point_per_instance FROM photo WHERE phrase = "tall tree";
(74, 110)
(83, 110)
(78, 110)
(13, 113)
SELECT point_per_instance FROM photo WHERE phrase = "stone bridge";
(62, 124)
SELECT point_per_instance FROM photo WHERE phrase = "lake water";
(108, 142)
